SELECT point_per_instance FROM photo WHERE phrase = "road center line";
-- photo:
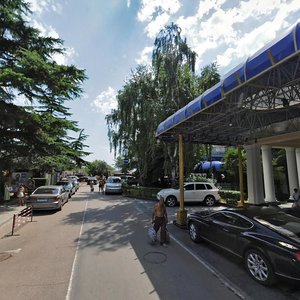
(76, 254)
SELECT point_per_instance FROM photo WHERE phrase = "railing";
(23, 217)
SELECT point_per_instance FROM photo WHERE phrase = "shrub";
(140, 192)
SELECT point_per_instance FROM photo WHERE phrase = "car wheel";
(259, 267)
(194, 232)
(171, 201)
(210, 201)
(60, 206)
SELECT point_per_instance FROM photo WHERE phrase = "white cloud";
(254, 40)
(145, 56)
(48, 31)
(228, 33)
(128, 3)
(66, 58)
(151, 8)
(40, 6)
(157, 24)
(106, 101)
(21, 100)
(157, 13)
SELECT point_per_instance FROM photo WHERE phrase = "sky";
(110, 38)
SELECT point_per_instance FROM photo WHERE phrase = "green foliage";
(98, 167)
(39, 131)
(197, 178)
(230, 195)
(149, 96)
(231, 161)
(140, 192)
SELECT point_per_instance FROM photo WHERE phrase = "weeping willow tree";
(148, 97)
(174, 65)
(131, 127)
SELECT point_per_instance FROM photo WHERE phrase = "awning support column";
(292, 169)
(181, 212)
(241, 177)
(268, 173)
(254, 175)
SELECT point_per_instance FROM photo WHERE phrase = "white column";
(298, 164)
(254, 175)
(268, 174)
(292, 169)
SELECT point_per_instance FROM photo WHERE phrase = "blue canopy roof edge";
(271, 55)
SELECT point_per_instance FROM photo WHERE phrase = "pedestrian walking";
(21, 195)
(6, 192)
(101, 184)
(31, 185)
(92, 186)
(296, 198)
(160, 220)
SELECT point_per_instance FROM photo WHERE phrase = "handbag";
(152, 234)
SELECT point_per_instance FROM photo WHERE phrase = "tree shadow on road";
(109, 227)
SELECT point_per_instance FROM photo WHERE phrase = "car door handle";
(225, 229)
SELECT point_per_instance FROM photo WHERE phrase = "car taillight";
(298, 255)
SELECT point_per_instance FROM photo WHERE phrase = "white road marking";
(76, 254)
(210, 268)
(231, 286)
(11, 251)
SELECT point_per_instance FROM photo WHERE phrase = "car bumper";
(113, 190)
(44, 206)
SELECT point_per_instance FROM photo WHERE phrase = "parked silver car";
(48, 197)
(113, 185)
(68, 186)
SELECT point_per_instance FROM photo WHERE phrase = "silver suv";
(193, 192)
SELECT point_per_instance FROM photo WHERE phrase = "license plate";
(41, 200)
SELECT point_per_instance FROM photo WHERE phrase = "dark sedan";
(266, 238)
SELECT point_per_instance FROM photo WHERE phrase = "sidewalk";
(7, 211)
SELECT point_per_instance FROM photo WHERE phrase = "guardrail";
(23, 217)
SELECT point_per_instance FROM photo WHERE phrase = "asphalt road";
(97, 248)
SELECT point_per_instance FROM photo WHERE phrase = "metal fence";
(23, 217)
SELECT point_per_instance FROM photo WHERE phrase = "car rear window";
(46, 191)
(232, 219)
(208, 186)
(114, 180)
(282, 223)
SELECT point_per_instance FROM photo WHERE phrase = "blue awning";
(283, 51)
(207, 165)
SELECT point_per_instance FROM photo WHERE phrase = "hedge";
(140, 192)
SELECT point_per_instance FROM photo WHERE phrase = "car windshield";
(44, 191)
(62, 183)
(114, 180)
(284, 224)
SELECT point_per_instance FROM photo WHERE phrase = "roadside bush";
(198, 178)
(140, 192)
(230, 197)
